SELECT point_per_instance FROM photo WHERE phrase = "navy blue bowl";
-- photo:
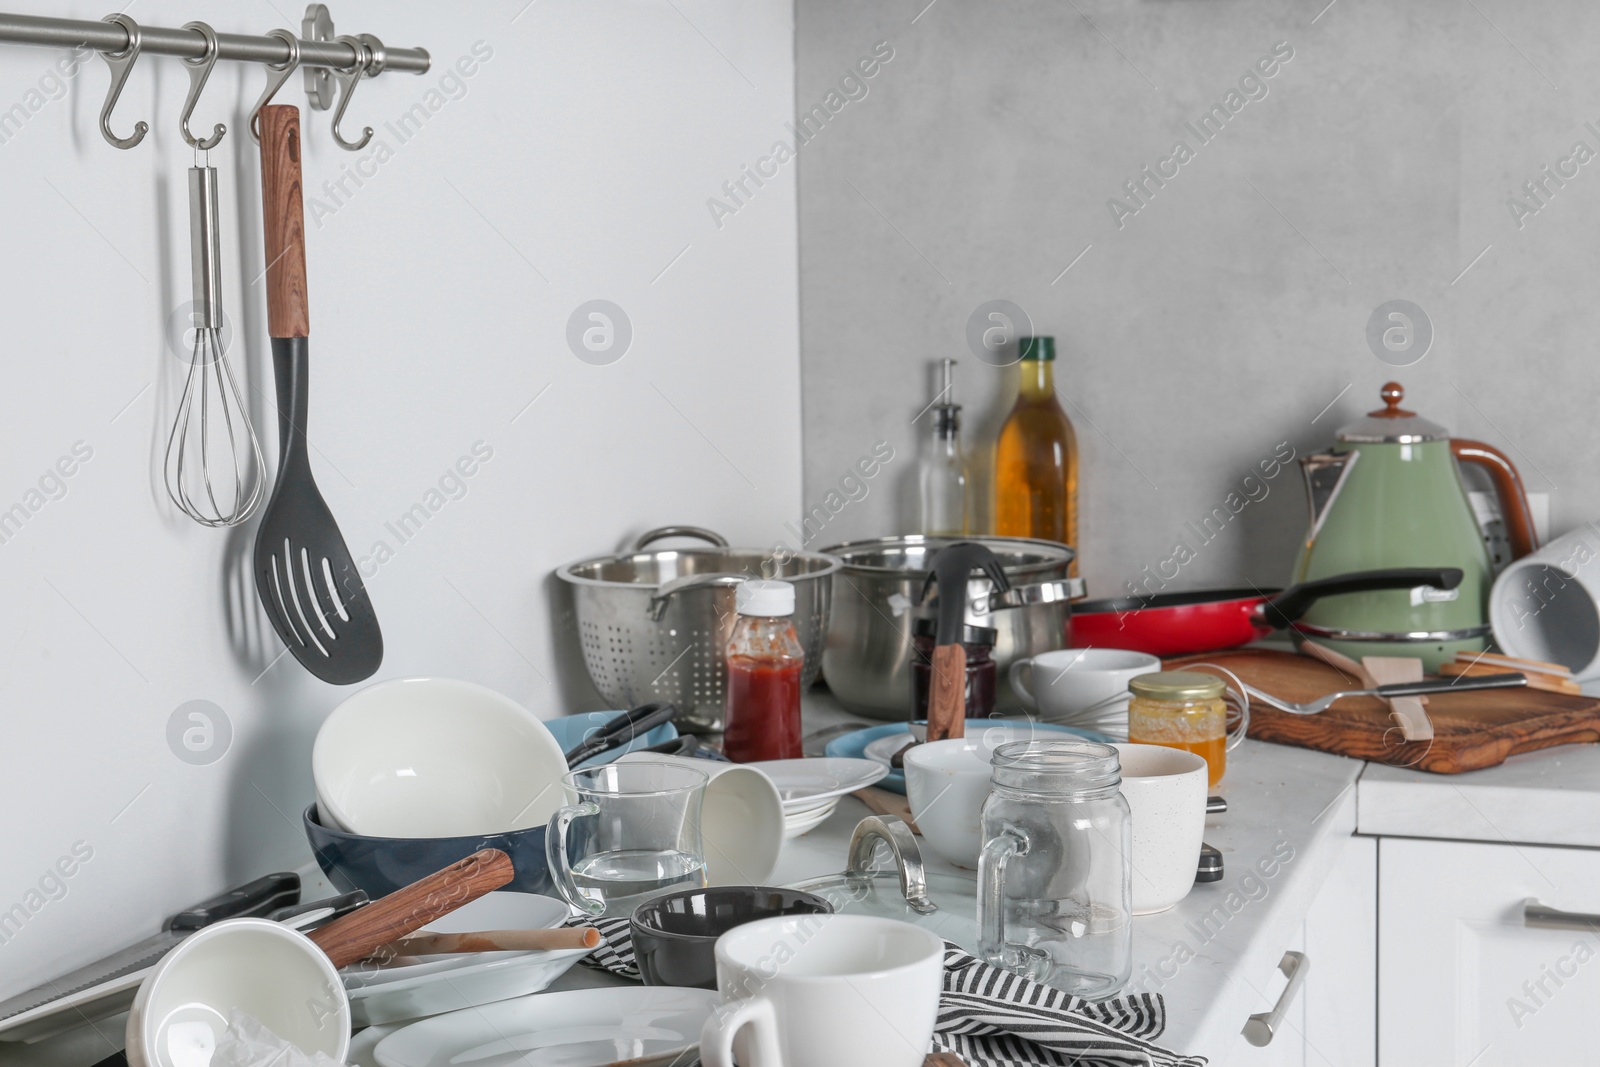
(381, 865)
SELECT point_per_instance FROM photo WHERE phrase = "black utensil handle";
(252, 898)
(1296, 600)
(621, 730)
(1216, 805)
(291, 374)
(1460, 684)
(334, 906)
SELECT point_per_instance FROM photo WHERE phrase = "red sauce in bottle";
(763, 710)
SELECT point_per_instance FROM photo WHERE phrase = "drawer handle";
(1545, 917)
(1260, 1028)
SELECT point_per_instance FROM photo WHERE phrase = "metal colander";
(654, 625)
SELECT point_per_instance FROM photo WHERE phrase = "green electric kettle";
(1390, 495)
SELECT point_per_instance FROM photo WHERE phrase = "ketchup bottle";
(765, 659)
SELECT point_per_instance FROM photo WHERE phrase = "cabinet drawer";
(1464, 977)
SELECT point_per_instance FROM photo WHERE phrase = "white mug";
(1085, 687)
(1546, 605)
(1166, 793)
(741, 819)
(825, 990)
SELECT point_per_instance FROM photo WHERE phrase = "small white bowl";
(947, 783)
(435, 757)
(266, 970)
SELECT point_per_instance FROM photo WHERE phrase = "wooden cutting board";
(1470, 730)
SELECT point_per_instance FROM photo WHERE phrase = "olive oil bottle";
(1036, 457)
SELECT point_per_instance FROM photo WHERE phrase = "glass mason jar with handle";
(1054, 877)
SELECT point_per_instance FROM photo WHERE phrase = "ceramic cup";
(741, 819)
(1085, 687)
(1166, 793)
(824, 990)
(1546, 605)
(266, 970)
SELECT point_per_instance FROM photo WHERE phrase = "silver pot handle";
(893, 832)
(661, 533)
(658, 603)
(1022, 596)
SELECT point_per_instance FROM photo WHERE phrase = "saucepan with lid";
(653, 622)
(876, 593)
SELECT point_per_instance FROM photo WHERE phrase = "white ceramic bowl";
(435, 757)
(264, 969)
(1166, 793)
(947, 783)
(741, 821)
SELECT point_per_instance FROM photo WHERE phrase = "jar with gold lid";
(1182, 709)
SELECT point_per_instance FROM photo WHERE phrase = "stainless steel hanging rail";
(191, 44)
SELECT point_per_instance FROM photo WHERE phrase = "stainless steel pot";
(653, 625)
(867, 659)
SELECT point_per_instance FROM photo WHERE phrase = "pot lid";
(1392, 424)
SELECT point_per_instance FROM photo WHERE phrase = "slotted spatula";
(305, 575)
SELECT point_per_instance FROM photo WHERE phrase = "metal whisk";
(213, 462)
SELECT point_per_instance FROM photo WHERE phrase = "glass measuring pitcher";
(635, 830)
(1054, 877)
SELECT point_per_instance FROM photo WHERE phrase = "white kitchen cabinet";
(1463, 978)
(1331, 1021)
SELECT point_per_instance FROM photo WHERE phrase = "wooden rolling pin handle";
(365, 930)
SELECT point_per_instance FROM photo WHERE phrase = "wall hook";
(347, 77)
(199, 71)
(121, 64)
(277, 74)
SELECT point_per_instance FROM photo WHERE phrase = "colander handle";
(661, 533)
(658, 603)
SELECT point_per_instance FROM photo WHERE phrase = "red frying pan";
(1177, 624)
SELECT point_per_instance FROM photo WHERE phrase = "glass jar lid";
(1178, 685)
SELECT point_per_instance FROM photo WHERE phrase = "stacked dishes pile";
(812, 788)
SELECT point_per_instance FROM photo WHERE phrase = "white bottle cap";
(762, 597)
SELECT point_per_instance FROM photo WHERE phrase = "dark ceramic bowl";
(380, 865)
(674, 937)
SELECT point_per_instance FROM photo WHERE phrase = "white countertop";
(1214, 955)
(1549, 797)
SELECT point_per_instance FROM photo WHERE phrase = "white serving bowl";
(435, 757)
(947, 783)
(266, 970)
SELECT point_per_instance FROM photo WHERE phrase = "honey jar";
(1181, 709)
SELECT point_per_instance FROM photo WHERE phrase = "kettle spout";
(1325, 474)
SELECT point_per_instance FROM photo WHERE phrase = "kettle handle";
(1507, 486)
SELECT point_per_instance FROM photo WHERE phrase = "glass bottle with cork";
(765, 660)
(1036, 457)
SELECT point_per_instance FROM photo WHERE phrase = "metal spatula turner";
(305, 575)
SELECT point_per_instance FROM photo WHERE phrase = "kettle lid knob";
(1392, 393)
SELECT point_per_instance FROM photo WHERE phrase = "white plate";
(803, 782)
(796, 825)
(411, 989)
(576, 1028)
(884, 748)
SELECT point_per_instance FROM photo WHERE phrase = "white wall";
(1229, 315)
(576, 165)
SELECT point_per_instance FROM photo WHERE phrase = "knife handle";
(252, 898)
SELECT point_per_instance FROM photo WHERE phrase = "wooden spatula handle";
(283, 221)
(496, 941)
(947, 697)
(364, 931)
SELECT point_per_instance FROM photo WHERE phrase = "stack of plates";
(812, 788)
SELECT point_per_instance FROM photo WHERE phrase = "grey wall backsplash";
(1296, 167)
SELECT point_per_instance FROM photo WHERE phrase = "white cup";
(741, 819)
(825, 990)
(1546, 605)
(1085, 687)
(1166, 793)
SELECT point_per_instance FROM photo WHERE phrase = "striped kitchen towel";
(993, 1018)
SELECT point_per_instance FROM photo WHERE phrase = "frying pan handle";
(283, 222)
(1295, 601)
